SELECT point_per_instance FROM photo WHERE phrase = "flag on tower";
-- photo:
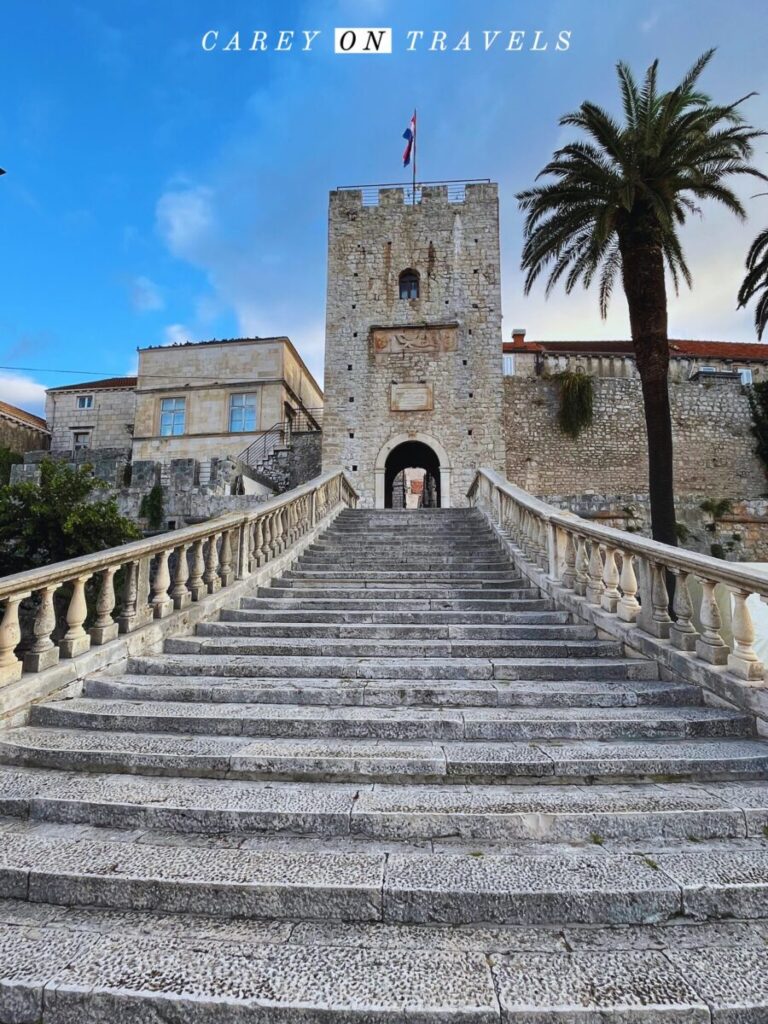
(410, 136)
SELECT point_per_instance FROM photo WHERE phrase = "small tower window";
(409, 285)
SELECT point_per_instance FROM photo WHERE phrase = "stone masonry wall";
(454, 247)
(109, 420)
(714, 446)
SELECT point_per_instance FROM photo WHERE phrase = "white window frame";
(508, 364)
(745, 372)
(80, 433)
(177, 416)
(84, 401)
(241, 403)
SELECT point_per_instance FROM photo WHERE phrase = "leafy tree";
(8, 458)
(756, 281)
(60, 517)
(613, 206)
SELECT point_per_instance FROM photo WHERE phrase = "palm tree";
(757, 281)
(614, 204)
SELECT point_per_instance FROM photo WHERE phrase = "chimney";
(518, 336)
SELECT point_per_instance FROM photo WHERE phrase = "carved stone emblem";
(400, 340)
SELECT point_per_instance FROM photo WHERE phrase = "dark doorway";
(411, 455)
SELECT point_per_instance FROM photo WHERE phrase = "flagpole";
(415, 132)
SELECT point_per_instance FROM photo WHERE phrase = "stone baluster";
(611, 596)
(569, 560)
(211, 575)
(162, 603)
(659, 622)
(582, 566)
(594, 591)
(743, 660)
(543, 539)
(267, 547)
(258, 544)
(43, 652)
(197, 585)
(104, 627)
(227, 573)
(710, 646)
(243, 541)
(682, 632)
(10, 636)
(629, 607)
(76, 641)
(127, 617)
(180, 594)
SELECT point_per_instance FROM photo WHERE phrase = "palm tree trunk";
(644, 286)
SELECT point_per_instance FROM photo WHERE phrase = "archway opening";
(412, 477)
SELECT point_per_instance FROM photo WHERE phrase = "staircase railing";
(160, 575)
(279, 435)
(625, 577)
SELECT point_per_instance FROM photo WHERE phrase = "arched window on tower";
(409, 285)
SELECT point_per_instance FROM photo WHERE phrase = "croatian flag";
(410, 136)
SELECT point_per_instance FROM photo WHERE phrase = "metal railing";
(626, 575)
(161, 574)
(455, 189)
(279, 435)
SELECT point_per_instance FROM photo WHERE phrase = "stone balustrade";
(627, 576)
(157, 576)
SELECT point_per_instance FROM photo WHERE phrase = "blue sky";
(156, 192)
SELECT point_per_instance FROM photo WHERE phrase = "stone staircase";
(395, 786)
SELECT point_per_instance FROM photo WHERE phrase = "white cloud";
(650, 23)
(146, 295)
(185, 220)
(176, 334)
(24, 392)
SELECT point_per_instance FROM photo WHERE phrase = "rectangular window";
(172, 416)
(81, 439)
(509, 365)
(746, 375)
(85, 401)
(242, 413)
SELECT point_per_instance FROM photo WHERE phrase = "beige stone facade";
(413, 338)
(22, 431)
(213, 399)
(96, 414)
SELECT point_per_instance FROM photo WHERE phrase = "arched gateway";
(418, 451)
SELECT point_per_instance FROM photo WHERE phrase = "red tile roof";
(96, 385)
(743, 351)
(28, 418)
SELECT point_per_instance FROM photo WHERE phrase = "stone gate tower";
(413, 360)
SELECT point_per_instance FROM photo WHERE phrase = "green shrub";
(152, 507)
(576, 395)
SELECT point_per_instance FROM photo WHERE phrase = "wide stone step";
(291, 616)
(134, 966)
(291, 599)
(390, 723)
(519, 814)
(359, 760)
(410, 668)
(394, 692)
(396, 631)
(315, 881)
(380, 592)
(386, 649)
(366, 562)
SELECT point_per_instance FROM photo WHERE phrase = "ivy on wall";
(151, 507)
(576, 394)
(757, 395)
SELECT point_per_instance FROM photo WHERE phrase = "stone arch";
(379, 469)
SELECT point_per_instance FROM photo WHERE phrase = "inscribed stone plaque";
(400, 340)
(411, 398)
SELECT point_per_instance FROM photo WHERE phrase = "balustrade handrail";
(61, 572)
(692, 562)
(598, 564)
(161, 574)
